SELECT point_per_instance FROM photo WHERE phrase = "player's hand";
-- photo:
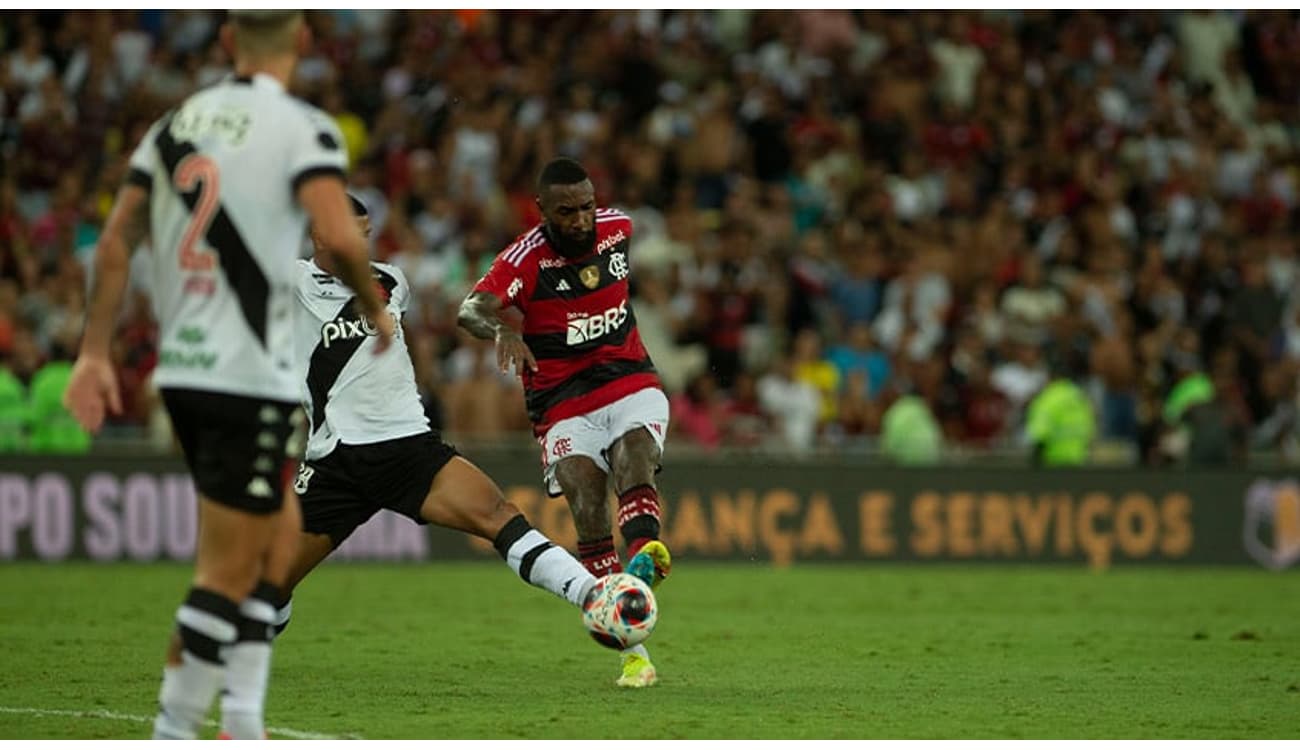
(387, 328)
(92, 388)
(513, 352)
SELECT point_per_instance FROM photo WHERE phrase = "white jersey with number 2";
(226, 230)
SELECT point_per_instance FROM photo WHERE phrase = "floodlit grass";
(467, 651)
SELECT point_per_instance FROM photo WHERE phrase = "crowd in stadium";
(834, 210)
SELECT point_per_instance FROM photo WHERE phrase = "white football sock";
(638, 649)
(282, 616)
(248, 669)
(186, 694)
(206, 626)
(539, 562)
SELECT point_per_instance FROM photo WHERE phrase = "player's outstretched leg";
(463, 497)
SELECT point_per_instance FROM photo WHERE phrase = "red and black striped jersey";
(578, 321)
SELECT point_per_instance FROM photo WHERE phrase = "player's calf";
(638, 517)
(598, 556)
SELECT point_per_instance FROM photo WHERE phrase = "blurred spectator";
(1021, 376)
(662, 322)
(916, 305)
(909, 433)
(794, 406)
(857, 290)
(1061, 424)
(14, 413)
(29, 66)
(859, 356)
(722, 315)
(1032, 305)
(1205, 36)
(53, 428)
(1201, 430)
(814, 370)
(698, 413)
(747, 425)
(959, 61)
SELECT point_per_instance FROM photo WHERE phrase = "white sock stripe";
(283, 614)
(207, 623)
(257, 609)
(525, 543)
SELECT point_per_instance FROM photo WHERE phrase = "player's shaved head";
(561, 171)
(263, 33)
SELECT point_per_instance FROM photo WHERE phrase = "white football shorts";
(592, 434)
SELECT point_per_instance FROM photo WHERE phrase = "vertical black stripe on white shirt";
(327, 363)
(328, 360)
(242, 272)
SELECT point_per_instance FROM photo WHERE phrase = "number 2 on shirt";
(196, 171)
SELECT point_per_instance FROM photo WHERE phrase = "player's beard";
(572, 247)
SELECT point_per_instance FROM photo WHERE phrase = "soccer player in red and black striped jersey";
(592, 393)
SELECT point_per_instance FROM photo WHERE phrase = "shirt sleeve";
(402, 292)
(144, 161)
(614, 222)
(510, 283)
(317, 150)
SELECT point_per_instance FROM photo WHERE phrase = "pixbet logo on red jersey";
(610, 241)
(584, 328)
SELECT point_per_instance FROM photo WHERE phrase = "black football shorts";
(344, 489)
(240, 450)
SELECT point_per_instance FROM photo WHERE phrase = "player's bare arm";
(337, 233)
(479, 314)
(93, 387)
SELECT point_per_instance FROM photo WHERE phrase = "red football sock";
(599, 557)
(638, 517)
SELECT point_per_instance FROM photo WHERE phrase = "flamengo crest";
(618, 265)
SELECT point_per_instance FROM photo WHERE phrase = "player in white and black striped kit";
(226, 186)
(370, 446)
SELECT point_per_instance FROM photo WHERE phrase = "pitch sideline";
(293, 734)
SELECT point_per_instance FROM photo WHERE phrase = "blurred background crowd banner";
(142, 509)
(908, 236)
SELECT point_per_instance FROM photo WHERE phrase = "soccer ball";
(620, 611)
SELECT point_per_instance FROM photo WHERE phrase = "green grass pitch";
(467, 651)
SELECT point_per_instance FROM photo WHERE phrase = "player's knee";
(637, 446)
(579, 475)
